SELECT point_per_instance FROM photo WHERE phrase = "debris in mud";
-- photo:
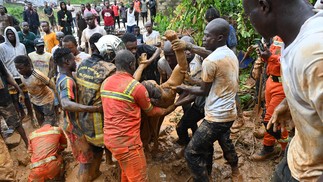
(13, 140)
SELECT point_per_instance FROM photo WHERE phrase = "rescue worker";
(45, 147)
(301, 68)
(123, 98)
(274, 94)
(89, 77)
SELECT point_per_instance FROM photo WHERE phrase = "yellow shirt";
(50, 41)
(41, 62)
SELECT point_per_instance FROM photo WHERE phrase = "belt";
(41, 162)
(276, 78)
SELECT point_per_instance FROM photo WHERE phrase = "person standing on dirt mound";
(123, 98)
(301, 68)
(220, 76)
(274, 95)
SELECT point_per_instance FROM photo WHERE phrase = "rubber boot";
(265, 153)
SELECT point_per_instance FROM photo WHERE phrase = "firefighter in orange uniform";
(274, 94)
(45, 147)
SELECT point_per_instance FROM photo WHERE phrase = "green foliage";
(188, 19)
(15, 10)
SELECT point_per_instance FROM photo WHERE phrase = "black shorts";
(52, 21)
(144, 14)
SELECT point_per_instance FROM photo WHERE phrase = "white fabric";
(80, 57)
(221, 68)
(152, 38)
(195, 67)
(318, 5)
(8, 53)
(302, 73)
(69, 8)
(87, 33)
(131, 20)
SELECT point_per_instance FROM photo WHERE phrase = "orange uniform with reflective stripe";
(274, 90)
(123, 98)
(46, 142)
(273, 66)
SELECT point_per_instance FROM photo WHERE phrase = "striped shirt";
(66, 88)
(37, 86)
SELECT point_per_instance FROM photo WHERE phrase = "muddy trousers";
(189, 120)
(274, 95)
(133, 165)
(47, 171)
(282, 172)
(199, 152)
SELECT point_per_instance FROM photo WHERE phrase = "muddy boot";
(265, 153)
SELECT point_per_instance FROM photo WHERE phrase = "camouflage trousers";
(199, 151)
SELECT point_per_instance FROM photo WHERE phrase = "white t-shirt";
(87, 33)
(80, 57)
(195, 67)
(69, 8)
(221, 68)
(131, 20)
(302, 73)
(152, 38)
(41, 61)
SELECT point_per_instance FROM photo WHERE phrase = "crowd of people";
(115, 91)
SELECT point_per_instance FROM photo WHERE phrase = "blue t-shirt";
(232, 38)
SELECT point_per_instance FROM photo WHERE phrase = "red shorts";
(81, 149)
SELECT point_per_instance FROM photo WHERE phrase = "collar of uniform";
(124, 73)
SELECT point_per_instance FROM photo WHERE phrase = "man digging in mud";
(220, 75)
(301, 68)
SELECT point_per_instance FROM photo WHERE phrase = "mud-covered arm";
(52, 68)
(142, 99)
(143, 63)
(182, 45)
(177, 77)
(202, 90)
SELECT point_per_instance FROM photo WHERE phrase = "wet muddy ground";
(168, 164)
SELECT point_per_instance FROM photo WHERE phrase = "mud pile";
(168, 163)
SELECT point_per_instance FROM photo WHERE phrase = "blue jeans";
(130, 28)
(199, 152)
